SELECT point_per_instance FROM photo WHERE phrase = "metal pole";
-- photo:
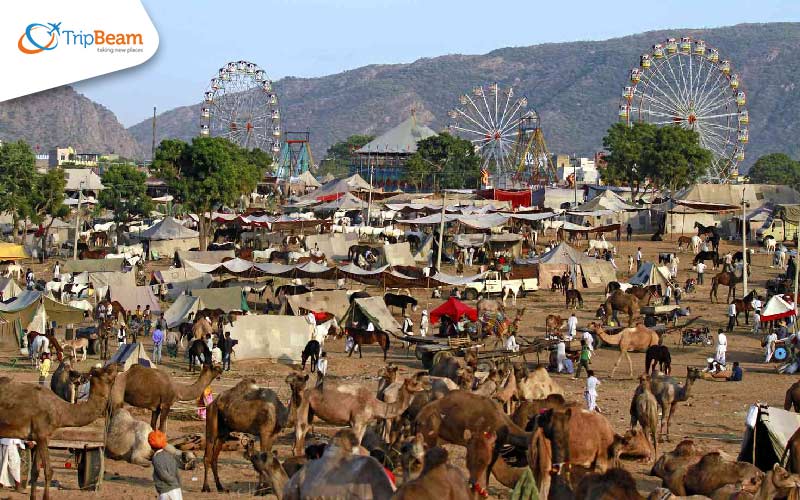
(796, 275)
(575, 178)
(369, 202)
(77, 222)
(441, 235)
(744, 246)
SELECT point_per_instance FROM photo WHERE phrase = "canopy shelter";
(651, 274)
(335, 302)
(35, 311)
(767, 432)
(131, 296)
(346, 201)
(180, 310)
(397, 254)
(12, 251)
(353, 183)
(334, 246)
(374, 310)
(207, 257)
(606, 201)
(94, 266)
(307, 179)
(168, 236)
(777, 307)
(130, 354)
(182, 280)
(8, 289)
(453, 309)
(280, 338)
(228, 299)
(561, 259)
(102, 281)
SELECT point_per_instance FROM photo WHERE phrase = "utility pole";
(77, 222)
(575, 178)
(369, 203)
(745, 257)
(153, 146)
(441, 234)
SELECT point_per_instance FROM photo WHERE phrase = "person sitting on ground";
(511, 343)
(736, 373)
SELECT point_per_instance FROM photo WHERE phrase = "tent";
(424, 251)
(335, 302)
(345, 202)
(180, 310)
(207, 257)
(398, 254)
(101, 281)
(12, 251)
(281, 338)
(130, 354)
(777, 307)
(130, 297)
(34, 311)
(94, 265)
(307, 179)
(334, 246)
(228, 299)
(372, 309)
(182, 279)
(8, 289)
(766, 434)
(453, 309)
(353, 183)
(598, 273)
(168, 236)
(651, 274)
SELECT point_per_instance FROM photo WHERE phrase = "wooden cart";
(88, 457)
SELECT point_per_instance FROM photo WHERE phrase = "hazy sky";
(319, 37)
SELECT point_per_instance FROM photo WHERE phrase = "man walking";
(629, 230)
(591, 391)
(572, 326)
(731, 317)
(147, 319)
(638, 258)
(583, 360)
(701, 270)
(722, 347)
(227, 349)
(158, 341)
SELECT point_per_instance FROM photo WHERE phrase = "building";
(383, 159)
(61, 156)
(586, 170)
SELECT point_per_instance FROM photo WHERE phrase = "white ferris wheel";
(241, 105)
(685, 83)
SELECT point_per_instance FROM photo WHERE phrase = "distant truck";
(494, 284)
(782, 225)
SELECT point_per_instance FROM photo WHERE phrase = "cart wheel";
(781, 354)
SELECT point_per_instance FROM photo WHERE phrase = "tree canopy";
(208, 173)
(125, 193)
(776, 168)
(338, 157)
(18, 178)
(645, 156)
(451, 159)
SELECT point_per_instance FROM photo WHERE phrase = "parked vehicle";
(494, 284)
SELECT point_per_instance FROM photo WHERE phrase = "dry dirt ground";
(714, 414)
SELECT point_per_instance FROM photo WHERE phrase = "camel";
(245, 407)
(438, 480)
(624, 302)
(615, 484)
(792, 400)
(33, 413)
(387, 375)
(644, 411)
(127, 440)
(638, 338)
(712, 472)
(446, 365)
(155, 390)
(672, 466)
(553, 323)
(351, 404)
(340, 473)
(669, 393)
(536, 385)
(65, 381)
(269, 468)
(412, 457)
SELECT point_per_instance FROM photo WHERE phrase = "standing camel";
(624, 302)
(154, 390)
(637, 338)
(245, 407)
(644, 411)
(33, 413)
(792, 401)
(725, 278)
(669, 393)
(355, 405)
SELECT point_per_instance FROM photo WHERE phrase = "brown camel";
(351, 404)
(269, 468)
(339, 473)
(446, 365)
(713, 472)
(644, 411)
(669, 393)
(637, 338)
(245, 407)
(673, 467)
(553, 323)
(536, 384)
(623, 302)
(615, 484)
(33, 413)
(155, 390)
(792, 400)
(791, 455)
(438, 481)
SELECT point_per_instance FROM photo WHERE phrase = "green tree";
(338, 157)
(775, 168)
(125, 194)
(626, 146)
(17, 181)
(674, 159)
(207, 174)
(48, 200)
(452, 159)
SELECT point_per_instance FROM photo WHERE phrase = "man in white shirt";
(701, 269)
(511, 343)
(722, 347)
(638, 258)
(756, 304)
(322, 367)
(9, 458)
(572, 326)
(561, 355)
(731, 316)
(667, 294)
(769, 345)
(587, 337)
(591, 391)
(470, 256)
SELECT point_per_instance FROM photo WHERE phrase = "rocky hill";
(63, 117)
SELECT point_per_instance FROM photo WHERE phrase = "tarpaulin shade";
(11, 251)
(777, 307)
(453, 309)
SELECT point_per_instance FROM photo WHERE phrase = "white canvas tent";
(9, 289)
(281, 338)
(228, 299)
(398, 254)
(168, 236)
(130, 297)
(183, 279)
(102, 281)
(334, 302)
(767, 432)
(374, 310)
(180, 310)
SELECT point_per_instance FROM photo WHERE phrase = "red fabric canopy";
(517, 198)
(330, 197)
(454, 309)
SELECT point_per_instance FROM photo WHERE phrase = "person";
(701, 269)
(204, 401)
(408, 325)
(756, 303)
(677, 293)
(590, 394)
(569, 366)
(209, 342)
(561, 355)
(722, 347)
(138, 311)
(470, 256)
(731, 316)
(638, 258)
(673, 270)
(572, 326)
(511, 343)
(216, 354)
(756, 322)
(736, 373)
(769, 345)
(790, 269)
(57, 272)
(147, 319)
(44, 368)
(227, 349)
(630, 264)
(101, 312)
(424, 323)
(587, 337)
(583, 359)
(10, 463)
(322, 367)
(163, 289)
(171, 340)
(165, 468)
(311, 319)
(667, 294)
(629, 231)
(713, 366)
(158, 341)
(29, 281)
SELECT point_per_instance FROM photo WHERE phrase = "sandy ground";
(714, 414)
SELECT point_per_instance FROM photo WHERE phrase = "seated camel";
(438, 480)
(637, 338)
(126, 439)
(340, 473)
(536, 384)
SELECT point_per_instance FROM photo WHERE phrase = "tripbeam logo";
(39, 38)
